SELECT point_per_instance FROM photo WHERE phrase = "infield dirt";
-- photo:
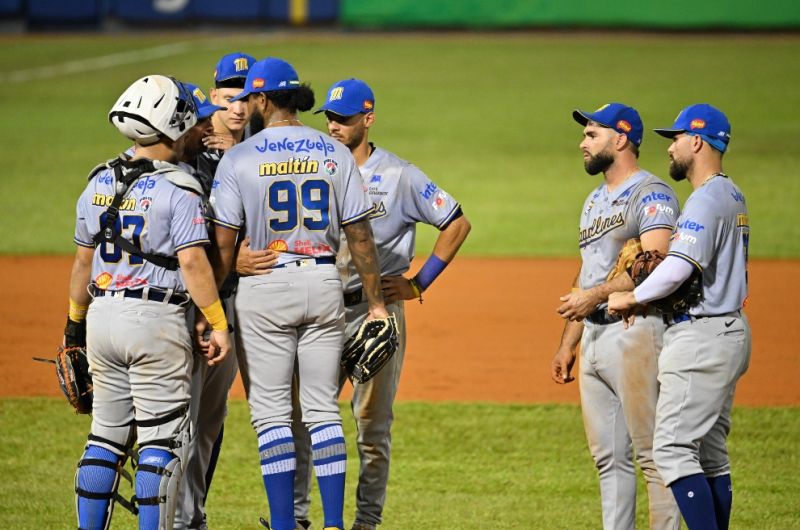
(486, 331)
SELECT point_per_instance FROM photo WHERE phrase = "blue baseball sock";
(330, 463)
(278, 464)
(97, 479)
(212, 463)
(695, 501)
(722, 491)
(148, 485)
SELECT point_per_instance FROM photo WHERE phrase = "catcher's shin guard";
(158, 477)
(97, 481)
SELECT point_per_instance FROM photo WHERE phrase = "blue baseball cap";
(232, 66)
(203, 104)
(269, 74)
(348, 98)
(621, 118)
(704, 120)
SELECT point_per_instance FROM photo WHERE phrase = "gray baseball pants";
(372, 409)
(699, 367)
(619, 392)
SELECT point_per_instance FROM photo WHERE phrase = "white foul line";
(95, 63)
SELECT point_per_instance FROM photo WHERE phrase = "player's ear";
(369, 119)
(212, 94)
(621, 141)
(697, 143)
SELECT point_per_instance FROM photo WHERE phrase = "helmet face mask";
(154, 107)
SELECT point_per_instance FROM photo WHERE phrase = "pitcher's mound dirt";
(486, 331)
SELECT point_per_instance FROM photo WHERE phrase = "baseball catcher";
(366, 352)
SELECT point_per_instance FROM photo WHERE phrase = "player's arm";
(447, 245)
(222, 253)
(79, 299)
(561, 367)
(199, 279)
(254, 262)
(365, 257)
(580, 304)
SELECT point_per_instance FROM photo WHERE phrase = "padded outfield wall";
(653, 14)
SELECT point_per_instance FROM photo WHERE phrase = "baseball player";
(402, 196)
(618, 371)
(141, 239)
(230, 125)
(707, 349)
(294, 188)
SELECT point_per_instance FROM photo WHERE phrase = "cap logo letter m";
(241, 64)
(199, 95)
(336, 93)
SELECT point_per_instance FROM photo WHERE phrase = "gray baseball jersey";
(713, 234)
(642, 203)
(294, 188)
(156, 216)
(402, 197)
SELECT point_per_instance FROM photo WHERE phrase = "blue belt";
(675, 318)
(152, 296)
(298, 263)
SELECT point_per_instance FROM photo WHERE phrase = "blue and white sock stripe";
(334, 468)
(326, 432)
(276, 448)
(330, 454)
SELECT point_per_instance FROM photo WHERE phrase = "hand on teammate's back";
(396, 288)
(254, 262)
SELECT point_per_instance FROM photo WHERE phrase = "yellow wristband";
(575, 289)
(415, 287)
(77, 312)
(215, 316)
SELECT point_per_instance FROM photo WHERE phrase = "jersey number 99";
(285, 200)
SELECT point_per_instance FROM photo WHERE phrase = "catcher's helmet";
(152, 107)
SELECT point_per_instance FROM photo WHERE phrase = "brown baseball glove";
(630, 250)
(681, 299)
(72, 369)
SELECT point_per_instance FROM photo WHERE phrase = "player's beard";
(678, 169)
(256, 123)
(355, 138)
(599, 163)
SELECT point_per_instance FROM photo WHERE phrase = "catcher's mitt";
(630, 251)
(72, 369)
(681, 299)
(366, 352)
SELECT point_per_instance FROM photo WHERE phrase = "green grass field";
(488, 117)
(454, 467)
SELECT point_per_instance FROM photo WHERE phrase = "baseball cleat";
(363, 526)
(303, 524)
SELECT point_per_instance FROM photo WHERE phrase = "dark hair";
(293, 99)
(233, 82)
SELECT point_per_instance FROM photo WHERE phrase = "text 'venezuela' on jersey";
(156, 216)
(293, 188)
(713, 234)
(402, 196)
(641, 204)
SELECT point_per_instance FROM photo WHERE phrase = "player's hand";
(396, 288)
(623, 304)
(561, 367)
(578, 305)
(220, 347)
(254, 262)
(201, 327)
(379, 311)
(220, 141)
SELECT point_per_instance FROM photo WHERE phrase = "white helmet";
(152, 107)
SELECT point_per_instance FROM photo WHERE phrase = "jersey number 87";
(314, 197)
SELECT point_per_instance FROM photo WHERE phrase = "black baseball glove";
(366, 352)
(681, 299)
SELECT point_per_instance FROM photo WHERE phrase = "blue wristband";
(430, 271)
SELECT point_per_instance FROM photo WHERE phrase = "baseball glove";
(366, 352)
(630, 251)
(72, 369)
(681, 299)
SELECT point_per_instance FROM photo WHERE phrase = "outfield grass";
(488, 117)
(455, 466)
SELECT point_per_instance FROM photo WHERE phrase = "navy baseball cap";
(232, 66)
(348, 98)
(621, 118)
(203, 104)
(269, 74)
(704, 120)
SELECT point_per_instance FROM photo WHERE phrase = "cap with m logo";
(348, 98)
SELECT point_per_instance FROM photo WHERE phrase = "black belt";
(299, 263)
(226, 293)
(354, 298)
(152, 296)
(675, 318)
(602, 317)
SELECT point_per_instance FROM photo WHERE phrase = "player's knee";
(157, 481)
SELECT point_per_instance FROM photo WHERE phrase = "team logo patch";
(258, 83)
(241, 64)
(103, 281)
(656, 208)
(279, 245)
(624, 125)
(368, 104)
(375, 178)
(697, 124)
(336, 93)
(282, 84)
(145, 203)
(199, 95)
(331, 166)
(440, 200)
(379, 211)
